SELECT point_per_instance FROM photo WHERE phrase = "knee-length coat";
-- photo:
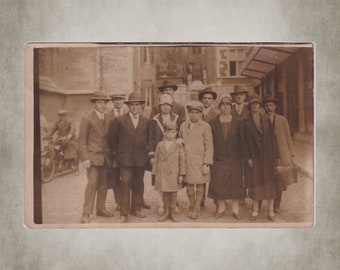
(169, 164)
(198, 149)
(259, 145)
(284, 148)
(226, 172)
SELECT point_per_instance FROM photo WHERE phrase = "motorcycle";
(53, 163)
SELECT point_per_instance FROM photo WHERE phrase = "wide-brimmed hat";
(167, 84)
(270, 99)
(239, 89)
(62, 112)
(194, 105)
(99, 95)
(254, 99)
(118, 94)
(165, 99)
(207, 91)
(134, 97)
(225, 98)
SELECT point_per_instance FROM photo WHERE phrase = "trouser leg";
(90, 190)
(137, 188)
(126, 178)
(234, 206)
(191, 195)
(199, 196)
(277, 201)
(101, 187)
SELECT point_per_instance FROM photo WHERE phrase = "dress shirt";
(134, 119)
(100, 115)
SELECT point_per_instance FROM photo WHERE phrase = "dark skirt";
(223, 185)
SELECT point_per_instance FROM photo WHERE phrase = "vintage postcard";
(169, 135)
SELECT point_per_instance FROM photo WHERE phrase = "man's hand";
(180, 179)
(152, 161)
(250, 163)
(86, 164)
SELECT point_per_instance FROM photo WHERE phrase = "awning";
(262, 60)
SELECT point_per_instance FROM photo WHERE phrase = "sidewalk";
(304, 158)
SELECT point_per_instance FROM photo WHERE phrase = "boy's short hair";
(170, 126)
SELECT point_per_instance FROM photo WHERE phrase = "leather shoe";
(237, 216)
(138, 214)
(85, 219)
(277, 210)
(219, 214)
(146, 206)
(123, 219)
(104, 213)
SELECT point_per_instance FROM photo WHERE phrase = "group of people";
(236, 151)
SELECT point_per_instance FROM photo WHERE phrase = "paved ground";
(62, 201)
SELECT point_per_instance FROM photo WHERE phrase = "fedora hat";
(225, 98)
(134, 97)
(99, 95)
(165, 99)
(167, 84)
(62, 112)
(118, 94)
(207, 91)
(254, 99)
(270, 99)
(239, 89)
(194, 105)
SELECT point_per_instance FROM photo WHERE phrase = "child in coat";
(169, 169)
(199, 149)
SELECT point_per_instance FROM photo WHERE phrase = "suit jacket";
(243, 114)
(92, 140)
(176, 108)
(129, 144)
(211, 115)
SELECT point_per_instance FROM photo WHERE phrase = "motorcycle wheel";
(48, 170)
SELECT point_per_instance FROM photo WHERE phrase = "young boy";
(199, 149)
(169, 169)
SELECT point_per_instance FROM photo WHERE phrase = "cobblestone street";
(62, 202)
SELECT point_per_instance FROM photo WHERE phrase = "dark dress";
(226, 172)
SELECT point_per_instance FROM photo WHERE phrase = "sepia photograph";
(169, 135)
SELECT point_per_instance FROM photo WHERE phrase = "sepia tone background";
(314, 248)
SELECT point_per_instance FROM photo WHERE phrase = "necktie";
(119, 112)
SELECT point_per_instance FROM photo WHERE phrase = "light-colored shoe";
(254, 215)
(177, 211)
(271, 215)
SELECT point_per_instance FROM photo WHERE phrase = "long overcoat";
(284, 144)
(198, 149)
(259, 145)
(226, 172)
(93, 145)
(169, 164)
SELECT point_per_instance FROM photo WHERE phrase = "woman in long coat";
(258, 149)
(226, 172)
(198, 148)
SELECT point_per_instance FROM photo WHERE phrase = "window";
(232, 68)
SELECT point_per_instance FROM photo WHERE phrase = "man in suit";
(129, 140)
(207, 97)
(119, 108)
(95, 156)
(170, 88)
(284, 148)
